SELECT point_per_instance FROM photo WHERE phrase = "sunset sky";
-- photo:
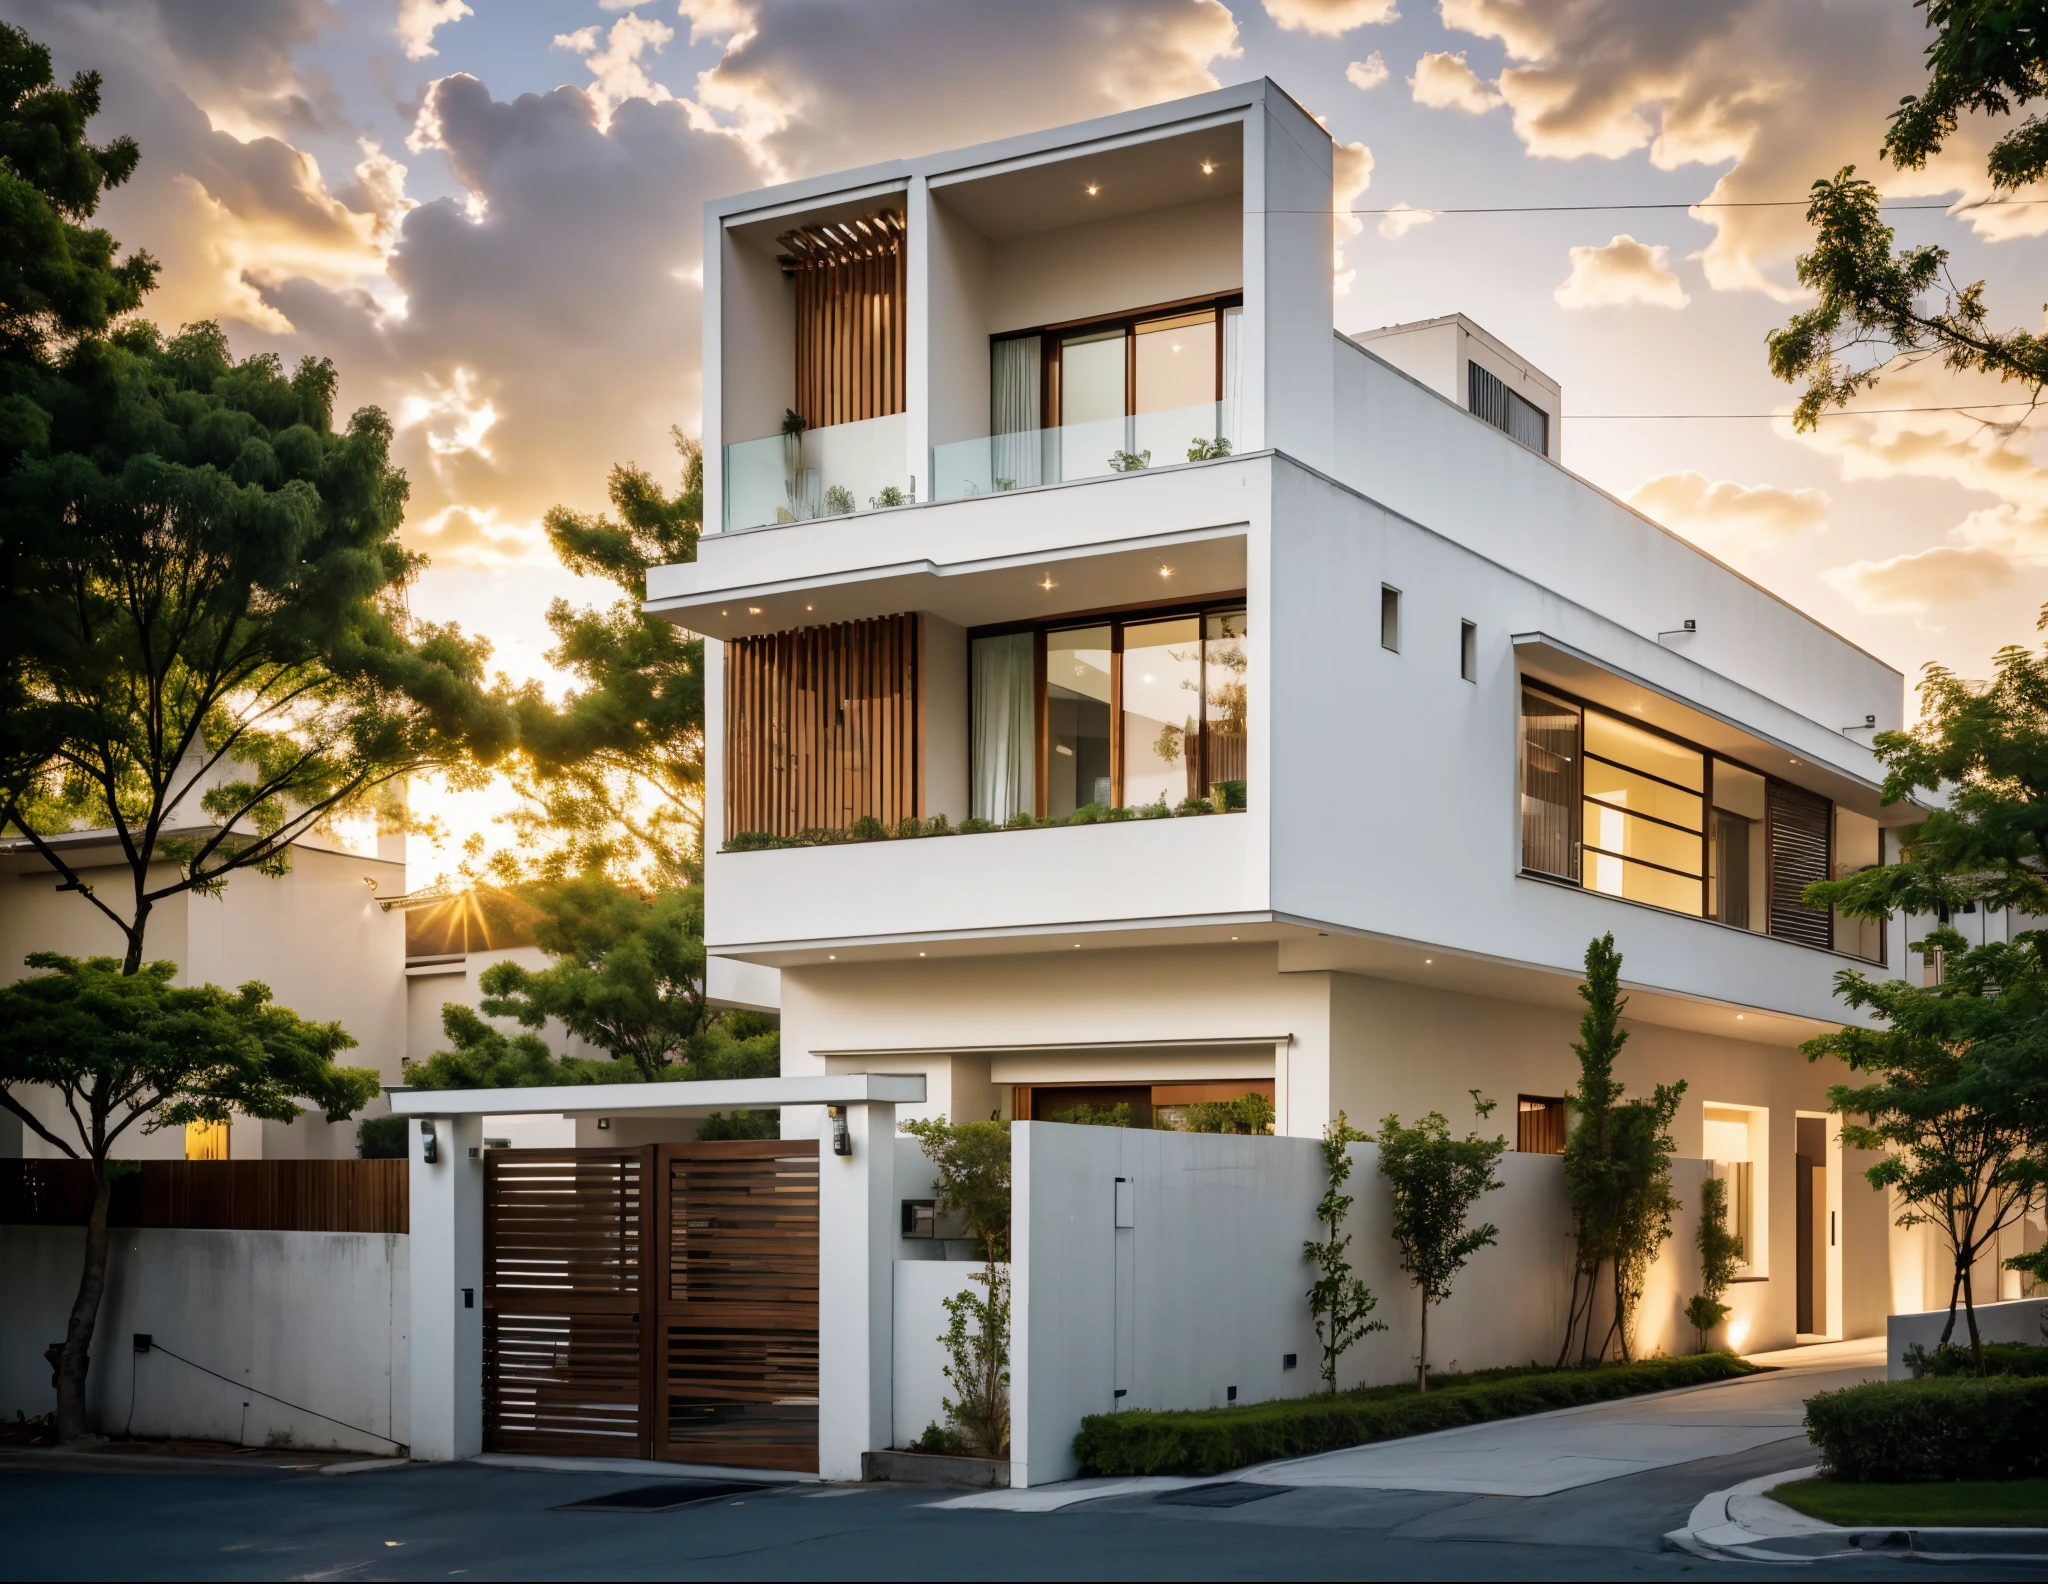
(487, 212)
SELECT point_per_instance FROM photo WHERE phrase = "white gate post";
(447, 1279)
(857, 1216)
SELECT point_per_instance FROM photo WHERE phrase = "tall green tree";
(205, 653)
(628, 975)
(1721, 1254)
(1436, 1179)
(1879, 308)
(614, 775)
(60, 283)
(1617, 1168)
(123, 1050)
(1956, 1096)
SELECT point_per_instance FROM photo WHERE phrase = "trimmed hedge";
(1908, 1431)
(1211, 1440)
(2000, 1358)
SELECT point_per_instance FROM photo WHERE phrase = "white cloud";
(1733, 521)
(417, 20)
(1444, 81)
(1398, 221)
(1916, 583)
(1330, 18)
(1623, 271)
(709, 19)
(1367, 74)
(616, 63)
(1737, 83)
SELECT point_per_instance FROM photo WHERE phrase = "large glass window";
(1618, 808)
(1119, 713)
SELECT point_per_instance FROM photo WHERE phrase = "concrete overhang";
(1585, 676)
(663, 1099)
(971, 593)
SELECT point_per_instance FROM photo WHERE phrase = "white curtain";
(1003, 772)
(1014, 417)
(1233, 375)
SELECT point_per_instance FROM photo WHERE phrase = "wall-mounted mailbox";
(920, 1218)
(1126, 1203)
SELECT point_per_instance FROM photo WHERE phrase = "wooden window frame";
(1116, 618)
(1128, 320)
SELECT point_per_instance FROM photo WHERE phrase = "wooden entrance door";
(736, 1307)
(660, 1301)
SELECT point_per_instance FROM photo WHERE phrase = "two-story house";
(1041, 484)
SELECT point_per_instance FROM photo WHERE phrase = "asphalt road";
(91, 1518)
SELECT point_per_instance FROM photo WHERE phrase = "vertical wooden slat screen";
(822, 727)
(849, 317)
(219, 1196)
(1799, 824)
(736, 1378)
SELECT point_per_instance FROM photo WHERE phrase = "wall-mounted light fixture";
(1686, 631)
(604, 1122)
(430, 1149)
(842, 1141)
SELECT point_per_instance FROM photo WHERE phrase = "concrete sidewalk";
(1546, 1453)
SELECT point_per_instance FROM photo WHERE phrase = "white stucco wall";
(1205, 1290)
(319, 1319)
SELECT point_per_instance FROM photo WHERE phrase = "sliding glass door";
(1124, 713)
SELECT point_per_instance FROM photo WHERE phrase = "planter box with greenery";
(1938, 1429)
(1229, 799)
(1212, 1440)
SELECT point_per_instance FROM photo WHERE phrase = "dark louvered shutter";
(1799, 857)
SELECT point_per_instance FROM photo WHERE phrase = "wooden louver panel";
(737, 1371)
(849, 317)
(822, 727)
(564, 1283)
(1799, 857)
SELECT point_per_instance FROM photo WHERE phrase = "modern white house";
(1384, 712)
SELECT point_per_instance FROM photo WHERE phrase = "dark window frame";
(1705, 793)
(1116, 618)
(1468, 651)
(1390, 607)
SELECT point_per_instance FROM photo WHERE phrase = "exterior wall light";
(430, 1149)
(842, 1141)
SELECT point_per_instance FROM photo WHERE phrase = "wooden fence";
(239, 1196)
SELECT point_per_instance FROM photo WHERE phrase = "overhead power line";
(1587, 208)
(1839, 412)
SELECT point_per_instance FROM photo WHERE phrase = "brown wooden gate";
(660, 1301)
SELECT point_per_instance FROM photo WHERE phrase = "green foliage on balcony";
(1229, 799)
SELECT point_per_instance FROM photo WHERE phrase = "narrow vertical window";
(1799, 833)
(1004, 758)
(1550, 785)
(1468, 651)
(1390, 618)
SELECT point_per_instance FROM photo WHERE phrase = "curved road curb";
(1743, 1524)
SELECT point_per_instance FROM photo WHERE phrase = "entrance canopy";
(664, 1099)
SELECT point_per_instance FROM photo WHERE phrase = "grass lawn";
(1961, 1504)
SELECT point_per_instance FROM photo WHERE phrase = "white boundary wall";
(2023, 1320)
(317, 1318)
(1206, 1289)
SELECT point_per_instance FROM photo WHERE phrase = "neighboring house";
(1461, 710)
(317, 936)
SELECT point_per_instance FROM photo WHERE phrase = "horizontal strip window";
(1619, 807)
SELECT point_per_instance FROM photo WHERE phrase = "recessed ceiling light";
(1427, 961)
(725, 613)
(1166, 571)
(920, 954)
(753, 610)
(1233, 937)
(810, 607)
(1738, 1017)
(831, 956)
(1047, 584)
(1208, 167)
(1093, 189)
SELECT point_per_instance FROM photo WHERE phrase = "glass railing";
(820, 473)
(1097, 449)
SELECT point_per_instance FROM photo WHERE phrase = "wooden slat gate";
(660, 1301)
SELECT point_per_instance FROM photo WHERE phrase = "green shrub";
(1157, 810)
(383, 1138)
(2000, 1358)
(1086, 1115)
(1945, 1429)
(1212, 1440)
(1194, 805)
(868, 828)
(974, 825)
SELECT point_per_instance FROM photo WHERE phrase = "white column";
(857, 1226)
(447, 1278)
(917, 336)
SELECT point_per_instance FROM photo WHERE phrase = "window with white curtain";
(1004, 768)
